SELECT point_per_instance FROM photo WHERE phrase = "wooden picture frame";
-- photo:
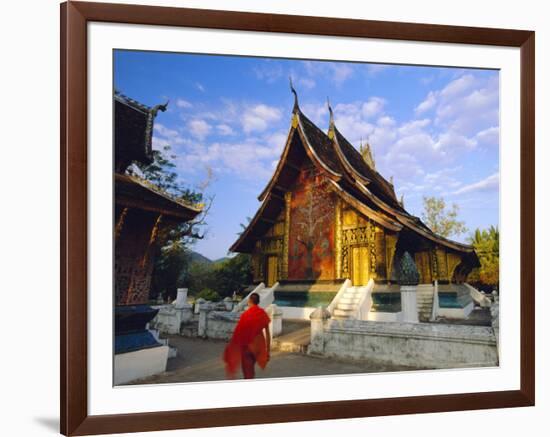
(75, 419)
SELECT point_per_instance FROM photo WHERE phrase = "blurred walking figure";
(251, 341)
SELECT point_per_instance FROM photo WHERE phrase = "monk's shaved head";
(254, 298)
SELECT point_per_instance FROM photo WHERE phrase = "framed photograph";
(273, 218)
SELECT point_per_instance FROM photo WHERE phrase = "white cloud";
(184, 104)
(306, 83)
(200, 87)
(258, 117)
(249, 159)
(489, 136)
(341, 72)
(458, 86)
(199, 128)
(163, 136)
(269, 71)
(336, 72)
(427, 104)
(375, 69)
(490, 183)
(372, 107)
(224, 129)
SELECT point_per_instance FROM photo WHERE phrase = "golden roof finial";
(331, 120)
(295, 94)
(367, 154)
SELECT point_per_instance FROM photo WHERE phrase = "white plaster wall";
(297, 313)
(379, 316)
(140, 364)
(411, 344)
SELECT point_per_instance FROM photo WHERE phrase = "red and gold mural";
(311, 233)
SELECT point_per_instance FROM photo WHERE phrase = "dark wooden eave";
(263, 219)
(131, 192)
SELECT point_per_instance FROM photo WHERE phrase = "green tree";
(172, 263)
(486, 244)
(440, 220)
(233, 274)
(171, 270)
(161, 176)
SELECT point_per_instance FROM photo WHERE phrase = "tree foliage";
(161, 175)
(174, 240)
(225, 277)
(440, 220)
(486, 245)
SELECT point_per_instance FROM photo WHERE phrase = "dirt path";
(200, 360)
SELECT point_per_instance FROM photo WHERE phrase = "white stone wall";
(408, 344)
(140, 364)
(219, 324)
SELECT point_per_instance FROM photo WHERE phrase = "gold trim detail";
(391, 244)
(286, 236)
(338, 238)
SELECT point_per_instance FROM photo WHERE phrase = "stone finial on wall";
(408, 273)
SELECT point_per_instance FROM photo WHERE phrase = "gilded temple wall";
(311, 228)
(317, 236)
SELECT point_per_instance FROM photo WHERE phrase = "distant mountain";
(196, 257)
(220, 260)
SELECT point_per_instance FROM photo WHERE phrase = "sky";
(435, 130)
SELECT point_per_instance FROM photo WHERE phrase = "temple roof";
(351, 177)
(133, 143)
(133, 131)
(377, 184)
(133, 192)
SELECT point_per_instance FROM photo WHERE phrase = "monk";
(250, 342)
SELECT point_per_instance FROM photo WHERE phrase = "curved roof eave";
(406, 221)
(310, 151)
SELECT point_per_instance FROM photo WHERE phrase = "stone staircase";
(347, 304)
(295, 337)
(425, 302)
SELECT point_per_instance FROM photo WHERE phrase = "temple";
(327, 216)
(142, 212)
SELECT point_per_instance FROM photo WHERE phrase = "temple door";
(272, 273)
(360, 265)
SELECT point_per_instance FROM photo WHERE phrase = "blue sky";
(435, 130)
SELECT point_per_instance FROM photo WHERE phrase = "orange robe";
(247, 335)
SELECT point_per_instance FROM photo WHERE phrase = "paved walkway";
(201, 360)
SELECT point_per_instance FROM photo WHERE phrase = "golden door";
(271, 270)
(360, 265)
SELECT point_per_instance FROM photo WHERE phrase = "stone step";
(342, 313)
(345, 306)
(346, 299)
(353, 302)
(295, 342)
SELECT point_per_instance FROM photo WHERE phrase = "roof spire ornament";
(367, 154)
(331, 120)
(295, 94)
(402, 201)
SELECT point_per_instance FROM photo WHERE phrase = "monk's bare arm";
(268, 339)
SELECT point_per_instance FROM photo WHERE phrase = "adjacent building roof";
(133, 131)
(133, 192)
(357, 182)
(133, 143)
